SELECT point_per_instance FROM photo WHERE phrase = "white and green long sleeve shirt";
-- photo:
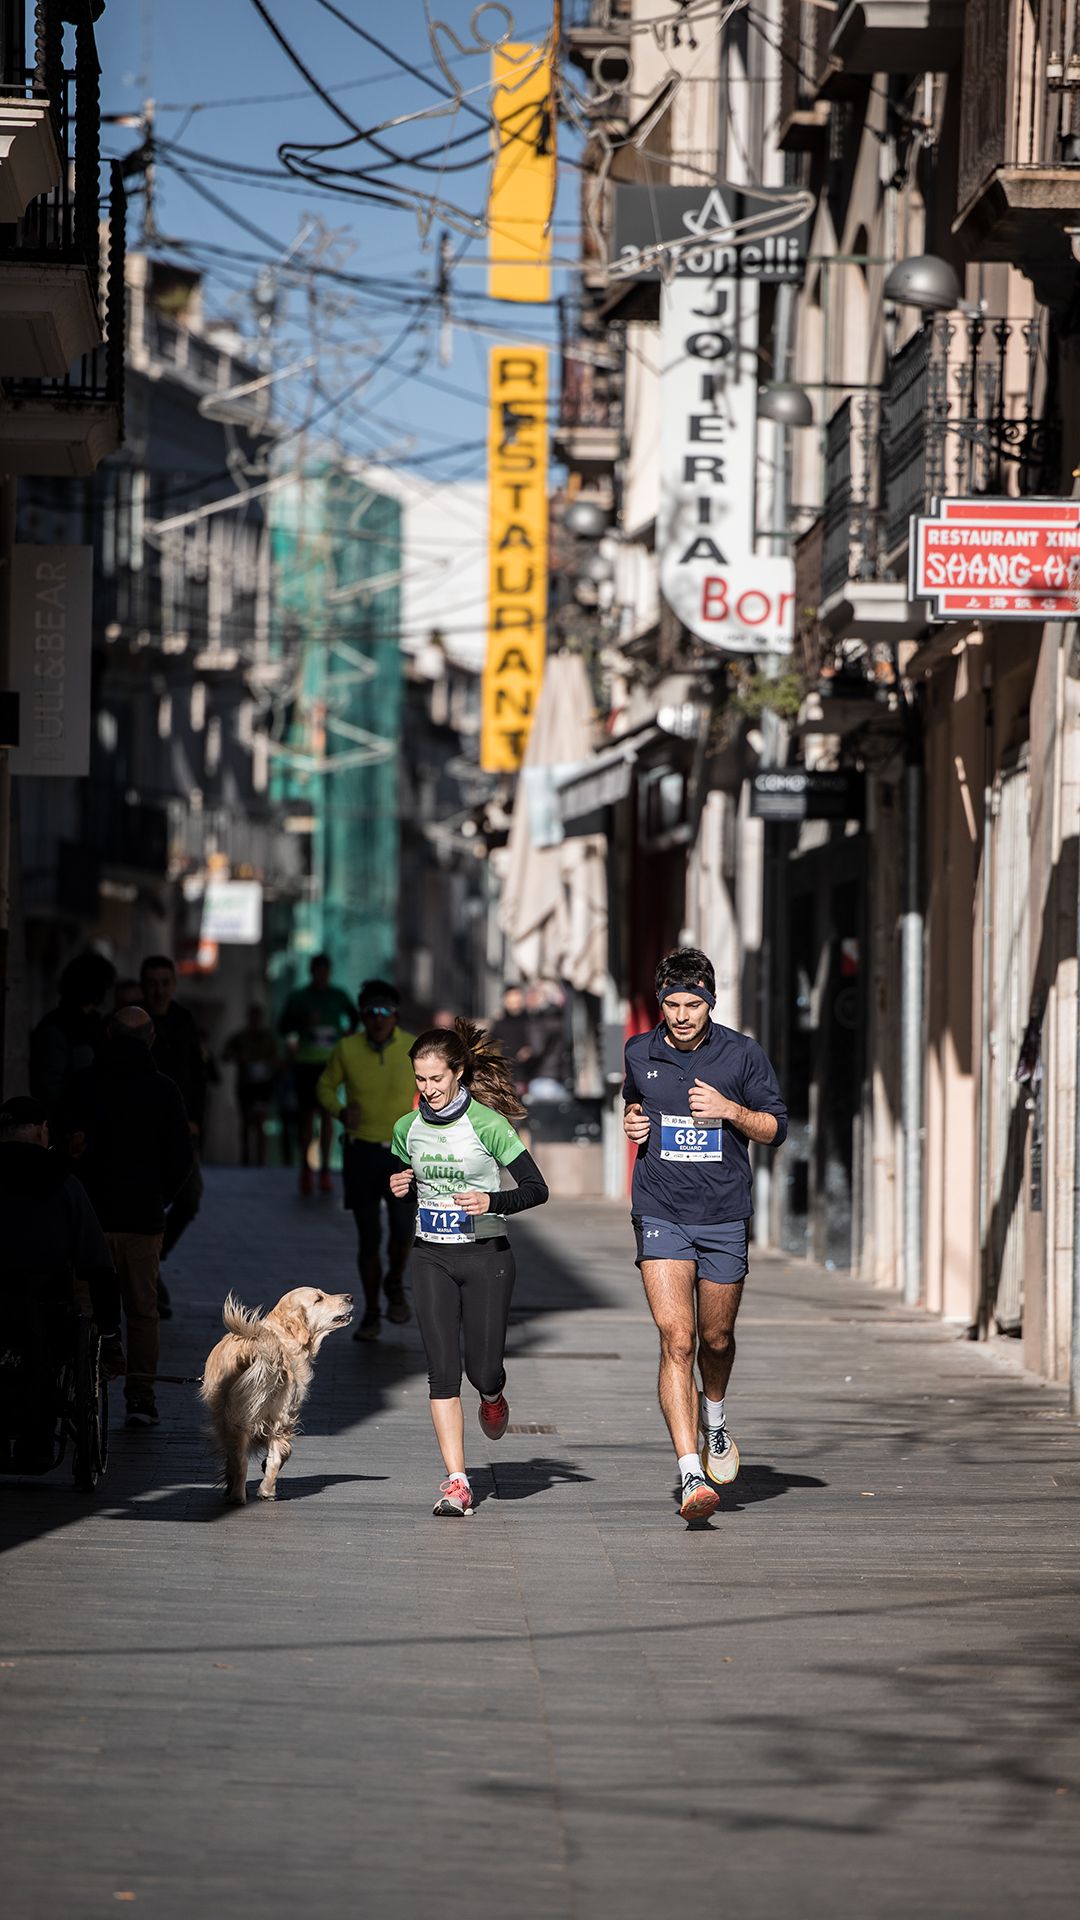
(447, 1156)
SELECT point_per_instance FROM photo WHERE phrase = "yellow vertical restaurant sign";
(522, 194)
(517, 559)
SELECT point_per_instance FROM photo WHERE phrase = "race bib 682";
(684, 1138)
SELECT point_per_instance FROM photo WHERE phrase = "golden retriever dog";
(257, 1379)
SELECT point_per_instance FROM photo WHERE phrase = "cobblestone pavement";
(854, 1694)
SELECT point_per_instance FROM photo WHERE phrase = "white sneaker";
(721, 1456)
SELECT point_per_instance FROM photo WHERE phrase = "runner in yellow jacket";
(374, 1069)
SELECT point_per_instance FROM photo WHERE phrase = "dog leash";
(167, 1379)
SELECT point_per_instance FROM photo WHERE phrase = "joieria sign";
(710, 574)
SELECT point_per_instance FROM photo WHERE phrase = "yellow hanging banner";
(517, 556)
(522, 194)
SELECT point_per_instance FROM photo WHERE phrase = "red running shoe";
(494, 1415)
(456, 1499)
(326, 1183)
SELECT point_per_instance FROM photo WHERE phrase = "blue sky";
(190, 56)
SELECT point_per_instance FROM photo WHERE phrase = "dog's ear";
(293, 1323)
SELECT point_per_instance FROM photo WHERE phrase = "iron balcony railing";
(967, 407)
(61, 226)
(97, 378)
(1020, 104)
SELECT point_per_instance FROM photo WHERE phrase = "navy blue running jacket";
(690, 1171)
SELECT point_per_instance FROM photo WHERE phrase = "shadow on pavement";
(256, 1237)
(520, 1479)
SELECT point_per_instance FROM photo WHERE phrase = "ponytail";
(479, 1059)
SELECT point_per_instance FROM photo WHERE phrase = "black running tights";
(463, 1290)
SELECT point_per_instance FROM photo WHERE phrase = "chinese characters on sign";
(517, 553)
(998, 559)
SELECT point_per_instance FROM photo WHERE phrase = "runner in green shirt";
(452, 1148)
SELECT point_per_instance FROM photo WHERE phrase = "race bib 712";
(684, 1138)
(445, 1223)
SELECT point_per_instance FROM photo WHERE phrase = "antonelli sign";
(710, 575)
(998, 559)
(700, 220)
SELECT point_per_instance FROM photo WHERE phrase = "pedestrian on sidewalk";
(54, 1250)
(696, 1094)
(376, 1072)
(69, 1038)
(452, 1149)
(313, 1020)
(178, 1052)
(130, 1139)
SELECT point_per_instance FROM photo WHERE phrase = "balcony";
(1018, 189)
(898, 36)
(49, 252)
(964, 410)
(860, 594)
(589, 433)
(804, 109)
(66, 425)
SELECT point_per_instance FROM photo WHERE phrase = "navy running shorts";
(721, 1251)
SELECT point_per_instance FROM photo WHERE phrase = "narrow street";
(855, 1693)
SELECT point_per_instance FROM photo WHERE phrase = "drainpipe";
(911, 994)
(7, 552)
(1074, 1345)
(982, 1319)
(780, 543)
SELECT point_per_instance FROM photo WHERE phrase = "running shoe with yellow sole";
(699, 1500)
(720, 1457)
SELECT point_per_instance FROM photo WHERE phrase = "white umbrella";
(554, 904)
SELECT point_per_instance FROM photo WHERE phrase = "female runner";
(462, 1270)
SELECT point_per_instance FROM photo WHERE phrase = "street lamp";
(926, 282)
(786, 405)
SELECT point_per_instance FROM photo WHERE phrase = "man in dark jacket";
(177, 1052)
(53, 1244)
(129, 1133)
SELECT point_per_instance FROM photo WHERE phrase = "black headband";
(695, 987)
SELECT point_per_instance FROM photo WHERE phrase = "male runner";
(313, 1020)
(697, 1093)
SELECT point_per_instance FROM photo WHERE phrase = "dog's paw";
(236, 1496)
(267, 1493)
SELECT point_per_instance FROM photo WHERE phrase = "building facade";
(909, 961)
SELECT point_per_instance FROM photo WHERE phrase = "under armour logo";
(652, 1233)
(653, 1073)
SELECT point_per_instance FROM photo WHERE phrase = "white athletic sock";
(690, 1463)
(714, 1412)
(491, 1397)
(459, 1476)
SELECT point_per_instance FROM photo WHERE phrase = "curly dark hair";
(686, 968)
(468, 1050)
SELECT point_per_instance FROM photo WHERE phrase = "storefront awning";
(587, 789)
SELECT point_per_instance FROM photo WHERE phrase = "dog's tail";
(240, 1319)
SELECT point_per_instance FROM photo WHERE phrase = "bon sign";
(998, 559)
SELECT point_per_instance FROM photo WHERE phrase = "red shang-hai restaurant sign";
(998, 559)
